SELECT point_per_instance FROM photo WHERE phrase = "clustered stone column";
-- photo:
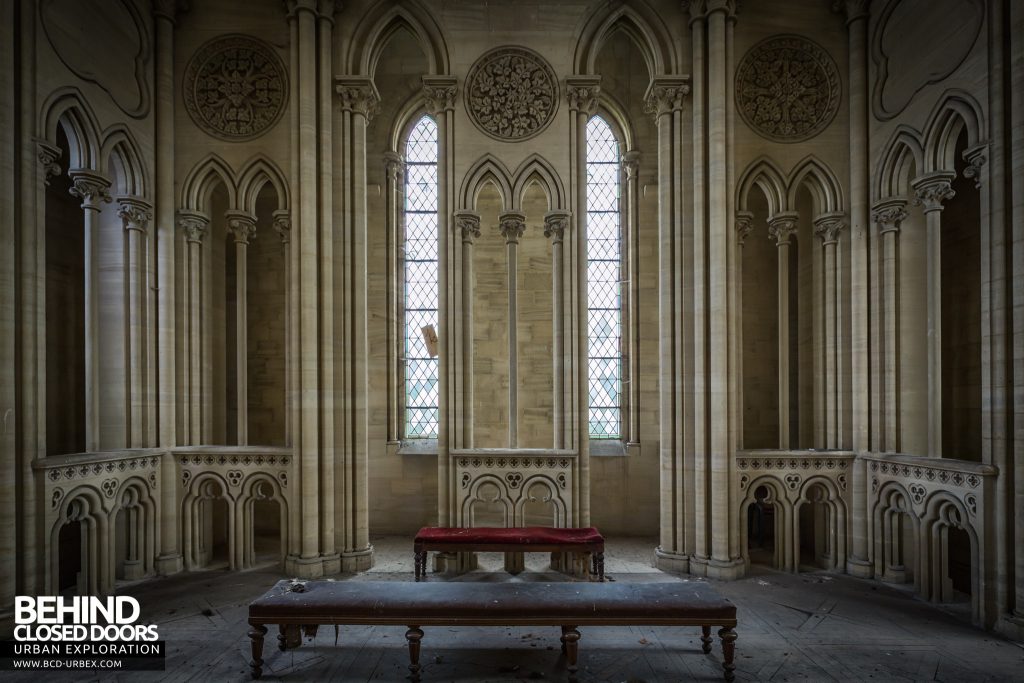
(631, 327)
(467, 225)
(394, 169)
(194, 225)
(828, 227)
(781, 227)
(282, 223)
(512, 225)
(242, 226)
(555, 225)
(744, 226)
(92, 189)
(136, 215)
(583, 94)
(931, 191)
(664, 100)
(889, 214)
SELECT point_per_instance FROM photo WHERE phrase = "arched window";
(604, 276)
(419, 286)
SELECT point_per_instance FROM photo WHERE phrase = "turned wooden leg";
(420, 564)
(705, 639)
(288, 636)
(599, 557)
(414, 635)
(728, 637)
(256, 634)
(570, 639)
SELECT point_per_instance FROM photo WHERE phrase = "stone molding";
(194, 224)
(48, 156)
(975, 157)
(828, 226)
(241, 224)
(91, 187)
(933, 189)
(500, 82)
(889, 214)
(583, 94)
(439, 93)
(283, 224)
(468, 225)
(136, 213)
(665, 95)
(358, 95)
(782, 226)
(556, 223)
(512, 225)
(744, 225)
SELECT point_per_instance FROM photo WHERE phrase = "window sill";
(604, 448)
(413, 447)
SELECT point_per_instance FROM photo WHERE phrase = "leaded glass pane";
(604, 300)
(420, 277)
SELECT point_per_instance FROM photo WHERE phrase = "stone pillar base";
(1011, 626)
(304, 567)
(860, 568)
(671, 562)
(332, 564)
(168, 564)
(454, 562)
(894, 575)
(133, 570)
(515, 563)
(357, 560)
(726, 570)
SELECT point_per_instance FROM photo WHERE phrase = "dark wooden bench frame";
(422, 548)
(290, 634)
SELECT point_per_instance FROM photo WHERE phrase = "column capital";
(48, 156)
(583, 93)
(975, 157)
(555, 225)
(169, 9)
(665, 95)
(358, 95)
(932, 189)
(744, 225)
(241, 224)
(89, 186)
(631, 163)
(135, 212)
(194, 224)
(283, 224)
(296, 6)
(468, 225)
(853, 9)
(394, 165)
(782, 226)
(512, 225)
(829, 225)
(439, 93)
(889, 213)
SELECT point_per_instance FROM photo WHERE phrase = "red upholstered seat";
(530, 535)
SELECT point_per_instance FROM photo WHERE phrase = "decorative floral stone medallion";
(787, 88)
(235, 87)
(511, 93)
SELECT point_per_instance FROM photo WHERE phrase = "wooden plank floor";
(806, 627)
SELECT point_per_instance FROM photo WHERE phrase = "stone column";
(195, 225)
(439, 98)
(92, 189)
(931, 191)
(512, 224)
(664, 100)
(1016, 201)
(828, 226)
(781, 227)
(889, 214)
(242, 226)
(631, 324)
(555, 224)
(583, 95)
(359, 102)
(856, 12)
(467, 223)
(136, 215)
(744, 226)
(283, 227)
(394, 168)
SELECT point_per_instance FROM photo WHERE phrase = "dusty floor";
(806, 627)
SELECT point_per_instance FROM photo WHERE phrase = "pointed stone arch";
(765, 174)
(121, 161)
(893, 175)
(955, 112)
(820, 180)
(486, 169)
(201, 180)
(639, 22)
(256, 173)
(66, 108)
(378, 25)
(536, 169)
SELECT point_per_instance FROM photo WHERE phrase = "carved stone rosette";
(467, 223)
(787, 88)
(782, 226)
(511, 93)
(512, 225)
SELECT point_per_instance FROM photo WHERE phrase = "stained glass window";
(420, 280)
(604, 266)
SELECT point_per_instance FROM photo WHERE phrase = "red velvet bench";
(569, 605)
(533, 539)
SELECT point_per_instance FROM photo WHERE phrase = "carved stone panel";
(511, 93)
(787, 88)
(235, 87)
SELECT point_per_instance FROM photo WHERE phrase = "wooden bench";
(539, 539)
(570, 605)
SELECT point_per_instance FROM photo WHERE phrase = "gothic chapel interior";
(744, 279)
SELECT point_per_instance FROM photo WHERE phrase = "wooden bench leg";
(414, 635)
(728, 637)
(256, 634)
(288, 636)
(599, 565)
(705, 639)
(570, 638)
(420, 564)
